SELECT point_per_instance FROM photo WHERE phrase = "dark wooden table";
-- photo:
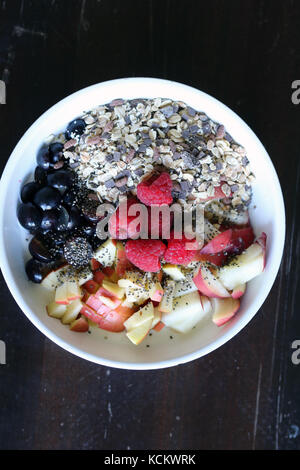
(246, 395)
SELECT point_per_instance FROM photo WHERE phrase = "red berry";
(178, 252)
(160, 225)
(156, 190)
(145, 254)
(121, 225)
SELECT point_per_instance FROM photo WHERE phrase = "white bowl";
(112, 349)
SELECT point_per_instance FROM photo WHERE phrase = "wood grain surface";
(246, 395)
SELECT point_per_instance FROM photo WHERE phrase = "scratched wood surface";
(246, 395)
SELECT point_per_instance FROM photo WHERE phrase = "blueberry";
(74, 218)
(61, 180)
(47, 198)
(29, 217)
(55, 151)
(43, 158)
(55, 219)
(35, 271)
(55, 147)
(40, 249)
(75, 127)
(28, 191)
(40, 175)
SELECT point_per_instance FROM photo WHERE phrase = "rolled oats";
(125, 141)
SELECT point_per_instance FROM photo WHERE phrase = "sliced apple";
(136, 295)
(98, 277)
(54, 278)
(96, 304)
(126, 303)
(136, 278)
(166, 303)
(91, 286)
(208, 284)
(206, 304)
(95, 264)
(160, 325)
(187, 311)
(155, 290)
(72, 312)
(50, 281)
(262, 241)
(137, 335)
(83, 275)
(173, 271)
(73, 290)
(224, 310)
(56, 310)
(116, 290)
(185, 287)
(238, 291)
(80, 325)
(140, 317)
(106, 253)
(238, 218)
(90, 313)
(218, 243)
(122, 263)
(210, 231)
(109, 302)
(156, 318)
(135, 286)
(243, 267)
(61, 294)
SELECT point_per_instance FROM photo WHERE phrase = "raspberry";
(156, 190)
(145, 254)
(177, 252)
(159, 226)
(120, 226)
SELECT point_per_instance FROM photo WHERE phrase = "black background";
(245, 395)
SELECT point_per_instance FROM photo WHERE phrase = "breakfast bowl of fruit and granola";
(142, 223)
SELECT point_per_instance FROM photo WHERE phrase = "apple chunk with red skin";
(245, 266)
(238, 291)
(218, 243)
(208, 284)
(80, 325)
(224, 310)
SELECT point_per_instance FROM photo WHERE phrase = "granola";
(125, 141)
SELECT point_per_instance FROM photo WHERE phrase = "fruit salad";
(103, 213)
